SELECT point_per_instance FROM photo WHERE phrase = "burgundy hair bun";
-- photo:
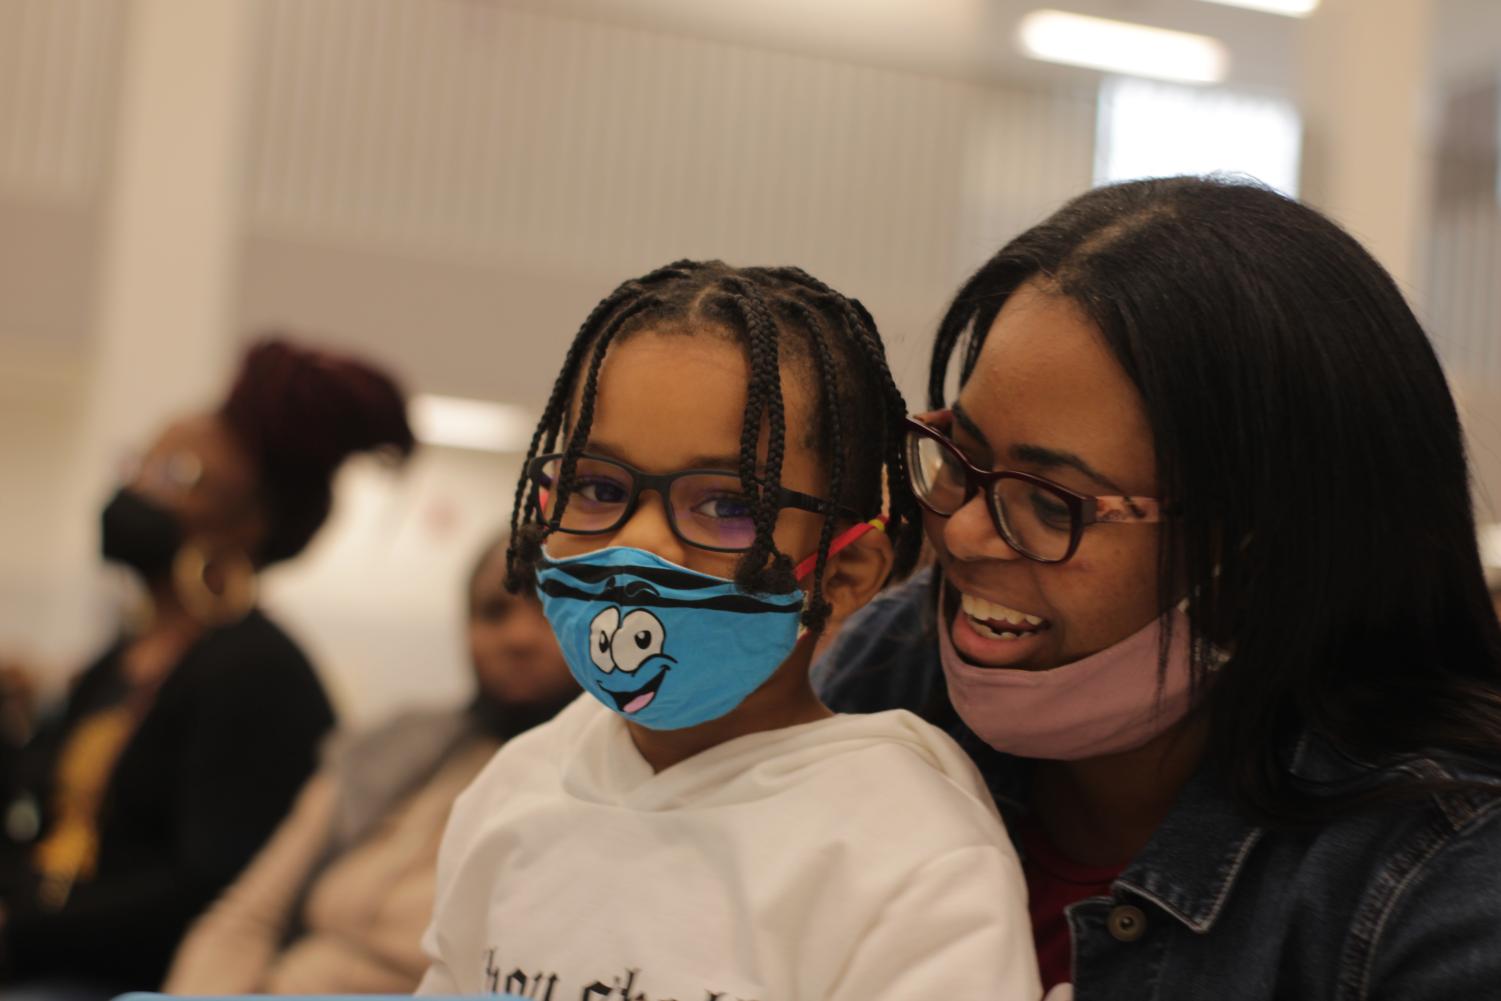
(301, 412)
(297, 407)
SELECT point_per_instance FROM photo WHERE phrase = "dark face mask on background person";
(140, 534)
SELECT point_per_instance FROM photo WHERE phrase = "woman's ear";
(855, 575)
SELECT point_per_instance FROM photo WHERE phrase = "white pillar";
(167, 272)
(1365, 92)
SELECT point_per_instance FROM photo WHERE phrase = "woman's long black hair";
(781, 316)
(1307, 439)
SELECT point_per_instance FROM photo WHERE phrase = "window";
(1150, 129)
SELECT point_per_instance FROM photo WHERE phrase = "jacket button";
(1127, 923)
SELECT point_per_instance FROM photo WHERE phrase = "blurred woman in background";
(180, 748)
(338, 900)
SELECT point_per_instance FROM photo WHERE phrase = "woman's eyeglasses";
(1038, 518)
(707, 508)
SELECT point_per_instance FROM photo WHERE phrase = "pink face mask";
(1104, 704)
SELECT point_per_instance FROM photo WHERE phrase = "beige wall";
(1366, 67)
(449, 187)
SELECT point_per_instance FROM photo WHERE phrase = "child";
(699, 827)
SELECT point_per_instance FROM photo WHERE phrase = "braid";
(525, 543)
(905, 517)
(817, 612)
(750, 427)
(579, 436)
(832, 334)
(524, 505)
(763, 568)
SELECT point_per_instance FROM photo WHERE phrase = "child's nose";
(648, 528)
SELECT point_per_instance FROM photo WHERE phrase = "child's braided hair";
(780, 315)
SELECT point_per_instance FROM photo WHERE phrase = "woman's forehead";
(1046, 377)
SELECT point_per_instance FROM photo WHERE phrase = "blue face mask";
(662, 645)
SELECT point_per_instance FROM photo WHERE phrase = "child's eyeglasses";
(1038, 518)
(706, 508)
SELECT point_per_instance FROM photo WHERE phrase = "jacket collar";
(1191, 865)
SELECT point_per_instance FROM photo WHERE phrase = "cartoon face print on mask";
(628, 644)
(662, 645)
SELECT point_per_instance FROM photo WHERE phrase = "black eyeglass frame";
(662, 483)
(1084, 509)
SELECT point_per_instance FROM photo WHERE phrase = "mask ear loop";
(543, 494)
(843, 540)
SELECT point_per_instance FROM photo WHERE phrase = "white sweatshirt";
(857, 858)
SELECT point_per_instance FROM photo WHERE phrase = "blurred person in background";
(337, 901)
(180, 749)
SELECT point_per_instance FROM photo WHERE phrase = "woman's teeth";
(982, 614)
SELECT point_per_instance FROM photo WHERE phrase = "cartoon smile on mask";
(628, 645)
(659, 644)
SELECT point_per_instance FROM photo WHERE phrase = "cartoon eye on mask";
(625, 644)
(639, 638)
(601, 633)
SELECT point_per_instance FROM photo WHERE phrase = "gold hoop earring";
(214, 608)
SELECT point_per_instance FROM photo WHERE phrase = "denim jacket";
(1399, 903)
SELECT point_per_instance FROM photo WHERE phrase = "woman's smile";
(991, 634)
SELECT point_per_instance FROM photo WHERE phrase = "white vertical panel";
(1464, 311)
(58, 59)
(1464, 245)
(1028, 152)
(1463, 308)
(453, 127)
(450, 185)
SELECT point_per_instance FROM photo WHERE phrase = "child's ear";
(855, 575)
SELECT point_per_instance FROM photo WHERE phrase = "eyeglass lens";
(707, 509)
(1034, 519)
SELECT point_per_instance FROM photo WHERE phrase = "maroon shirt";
(1053, 882)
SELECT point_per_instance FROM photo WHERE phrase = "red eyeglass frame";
(1084, 509)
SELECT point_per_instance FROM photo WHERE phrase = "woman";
(183, 745)
(338, 900)
(1207, 608)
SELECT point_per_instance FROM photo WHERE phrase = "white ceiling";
(966, 38)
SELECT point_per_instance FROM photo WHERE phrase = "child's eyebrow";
(729, 463)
